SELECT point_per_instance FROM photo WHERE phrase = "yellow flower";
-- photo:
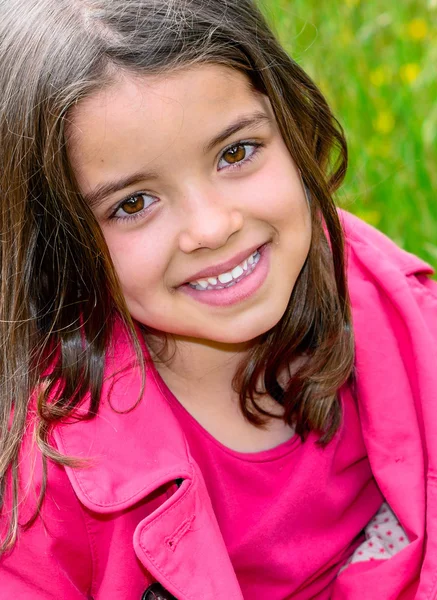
(385, 122)
(409, 72)
(346, 36)
(417, 29)
(378, 77)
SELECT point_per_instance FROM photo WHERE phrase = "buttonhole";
(173, 540)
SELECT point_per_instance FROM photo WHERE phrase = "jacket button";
(157, 592)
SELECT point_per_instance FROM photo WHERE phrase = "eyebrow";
(253, 120)
(97, 195)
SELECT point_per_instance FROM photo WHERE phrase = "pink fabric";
(290, 516)
(114, 527)
(395, 321)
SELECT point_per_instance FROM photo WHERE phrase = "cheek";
(139, 260)
(278, 196)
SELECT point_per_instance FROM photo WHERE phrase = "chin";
(238, 335)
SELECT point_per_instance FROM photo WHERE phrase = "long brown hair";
(59, 291)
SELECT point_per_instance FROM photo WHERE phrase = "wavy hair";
(59, 291)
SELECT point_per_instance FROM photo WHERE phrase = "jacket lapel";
(134, 445)
(182, 546)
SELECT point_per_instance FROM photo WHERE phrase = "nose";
(209, 220)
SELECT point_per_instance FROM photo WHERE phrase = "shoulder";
(388, 286)
(376, 252)
(379, 272)
(392, 294)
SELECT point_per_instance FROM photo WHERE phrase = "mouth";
(229, 278)
(234, 285)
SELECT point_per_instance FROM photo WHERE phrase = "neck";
(189, 364)
(200, 374)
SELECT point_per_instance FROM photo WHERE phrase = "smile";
(229, 278)
(235, 285)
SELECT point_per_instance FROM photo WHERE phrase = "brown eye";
(235, 154)
(235, 157)
(133, 205)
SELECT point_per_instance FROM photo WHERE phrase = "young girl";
(199, 401)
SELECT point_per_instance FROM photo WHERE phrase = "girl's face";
(201, 205)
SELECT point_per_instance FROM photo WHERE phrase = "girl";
(198, 400)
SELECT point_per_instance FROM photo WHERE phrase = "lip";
(223, 267)
(241, 291)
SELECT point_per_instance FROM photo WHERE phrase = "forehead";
(152, 112)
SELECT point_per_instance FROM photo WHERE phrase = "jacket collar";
(134, 445)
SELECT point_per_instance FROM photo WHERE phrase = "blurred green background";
(376, 63)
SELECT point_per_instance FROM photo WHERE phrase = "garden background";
(376, 63)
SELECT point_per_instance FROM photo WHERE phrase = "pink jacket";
(139, 513)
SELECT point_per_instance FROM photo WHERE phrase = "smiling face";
(200, 203)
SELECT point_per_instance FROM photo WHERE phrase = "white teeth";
(237, 272)
(229, 277)
(225, 277)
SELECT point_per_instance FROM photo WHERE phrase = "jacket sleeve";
(51, 558)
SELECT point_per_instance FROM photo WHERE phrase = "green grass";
(376, 64)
